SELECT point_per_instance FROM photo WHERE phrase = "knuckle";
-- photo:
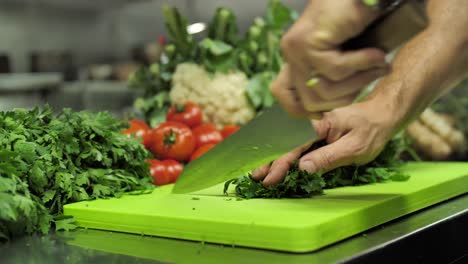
(318, 109)
(291, 42)
(325, 159)
(323, 126)
(322, 37)
(359, 148)
(337, 70)
(274, 88)
(330, 118)
(326, 93)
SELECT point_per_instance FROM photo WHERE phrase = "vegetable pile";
(436, 137)
(302, 184)
(454, 105)
(182, 138)
(222, 63)
(47, 161)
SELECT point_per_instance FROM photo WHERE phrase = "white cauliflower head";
(222, 96)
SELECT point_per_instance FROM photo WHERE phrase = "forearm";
(429, 65)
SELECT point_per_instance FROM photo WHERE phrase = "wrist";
(393, 111)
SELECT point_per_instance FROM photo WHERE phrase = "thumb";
(322, 127)
(328, 157)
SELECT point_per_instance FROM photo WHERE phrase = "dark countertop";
(434, 235)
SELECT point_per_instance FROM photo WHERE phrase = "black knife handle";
(400, 21)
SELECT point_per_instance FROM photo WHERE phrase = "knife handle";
(393, 28)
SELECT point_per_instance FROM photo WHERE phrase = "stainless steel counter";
(26, 89)
(434, 235)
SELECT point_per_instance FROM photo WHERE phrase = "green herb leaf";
(47, 161)
(301, 184)
(65, 224)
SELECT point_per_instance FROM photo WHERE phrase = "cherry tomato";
(229, 130)
(188, 113)
(173, 140)
(207, 134)
(201, 150)
(166, 171)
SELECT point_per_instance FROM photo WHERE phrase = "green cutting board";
(295, 225)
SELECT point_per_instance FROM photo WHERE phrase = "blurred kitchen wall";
(141, 22)
(85, 49)
(30, 27)
(98, 30)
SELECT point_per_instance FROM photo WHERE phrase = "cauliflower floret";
(222, 97)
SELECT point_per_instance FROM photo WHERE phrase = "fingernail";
(312, 82)
(371, 3)
(255, 173)
(307, 165)
(266, 181)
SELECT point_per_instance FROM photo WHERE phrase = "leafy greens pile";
(257, 54)
(302, 184)
(47, 161)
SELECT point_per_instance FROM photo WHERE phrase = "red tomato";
(201, 150)
(229, 130)
(188, 113)
(148, 138)
(166, 171)
(137, 128)
(207, 134)
(140, 129)
(173, 140)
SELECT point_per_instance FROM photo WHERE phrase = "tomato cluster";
(181, 139)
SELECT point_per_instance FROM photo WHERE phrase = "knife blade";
(267, 137)
(274, 132)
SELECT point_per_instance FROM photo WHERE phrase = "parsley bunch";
(302, 184)
(47, 161)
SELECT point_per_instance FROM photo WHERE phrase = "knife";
(274, 132)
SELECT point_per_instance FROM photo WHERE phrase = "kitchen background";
(85, 49)
(80, 53)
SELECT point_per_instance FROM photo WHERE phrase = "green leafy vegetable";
(258, 90)
(257, 54)
(176, 26)
(47, 161)
(223, 26)
(302, 184)
(154, 108)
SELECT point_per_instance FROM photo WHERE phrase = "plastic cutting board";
(294, 225)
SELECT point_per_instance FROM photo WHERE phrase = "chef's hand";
(355, 134)
(321, 76)
(424, 69)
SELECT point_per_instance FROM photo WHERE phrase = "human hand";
(355, 134)
(319, 76)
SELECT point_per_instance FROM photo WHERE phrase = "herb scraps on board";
(48, 160)
(302, 184)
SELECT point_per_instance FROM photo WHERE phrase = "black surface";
(442, 242)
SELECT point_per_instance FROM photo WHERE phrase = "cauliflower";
(222, 97)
